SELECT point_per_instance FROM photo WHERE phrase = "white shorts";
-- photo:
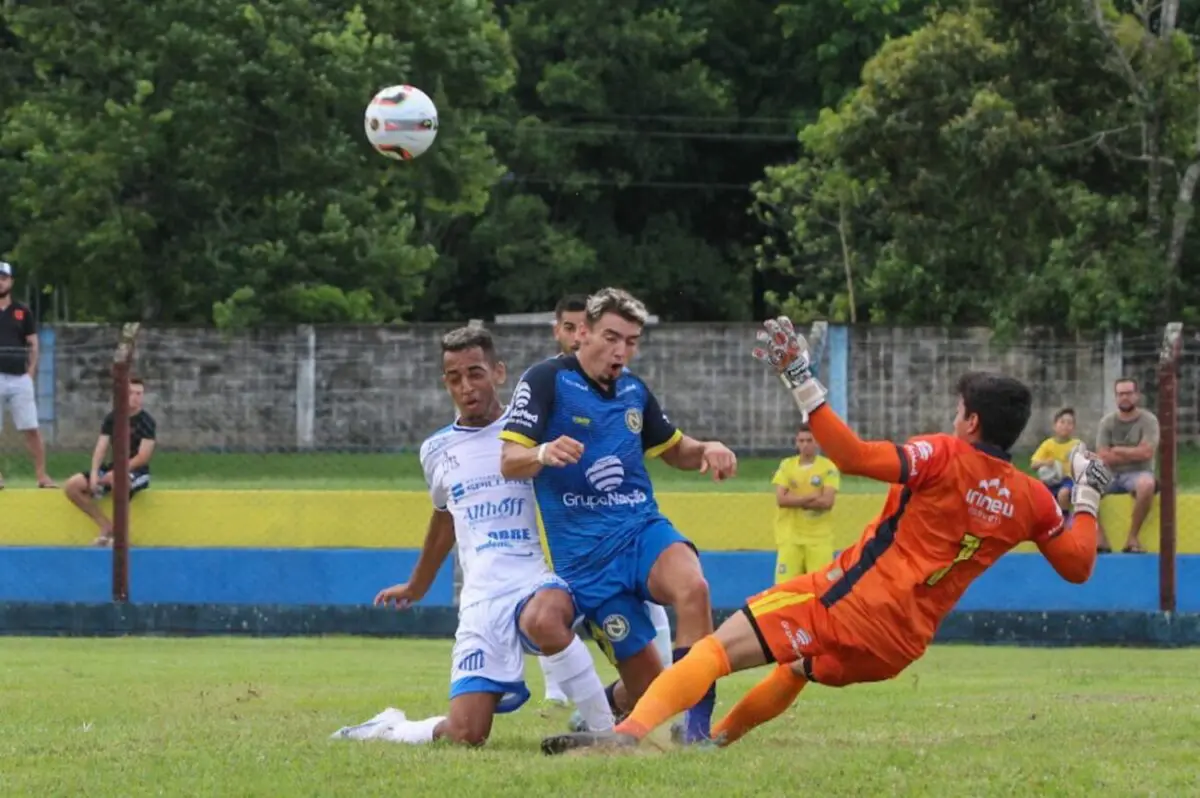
(16, 397)
(489, 648)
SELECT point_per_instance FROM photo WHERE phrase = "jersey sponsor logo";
(461, 490)
(633, 420)
(471, 661)
(918, 452)
(520, 533)
(582, 421)
(508, 507)
(990, 500)
(605, 476)
(506, 538)
(799, 638)
(519, 410)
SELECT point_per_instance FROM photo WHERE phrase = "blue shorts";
(1055, 487)
(613, 599)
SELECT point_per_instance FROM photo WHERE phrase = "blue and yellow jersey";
(593, 509)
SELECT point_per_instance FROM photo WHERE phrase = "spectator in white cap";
(18, 365)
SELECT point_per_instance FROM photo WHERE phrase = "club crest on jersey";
(633, 420)
(616, 628)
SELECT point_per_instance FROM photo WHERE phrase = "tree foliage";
(1003, 164)
(196, 161)
(900, 161)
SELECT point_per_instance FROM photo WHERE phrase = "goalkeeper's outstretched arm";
(1072, 553)
(880, 460)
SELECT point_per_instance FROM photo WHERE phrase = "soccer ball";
(401, 122)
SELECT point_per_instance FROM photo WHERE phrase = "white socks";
(413, 732)
(662, 631)
(553, 691)
(392, 725)
(575, 674)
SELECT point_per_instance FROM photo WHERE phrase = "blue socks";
(697, 721)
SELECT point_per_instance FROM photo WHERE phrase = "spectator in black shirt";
(18, 365)
(84, 488)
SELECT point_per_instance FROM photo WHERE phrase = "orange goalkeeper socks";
(677, 688)
(765, 701)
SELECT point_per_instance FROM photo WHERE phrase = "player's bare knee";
(75, 486)
(473, 732)
(546, 621)
(692, 594)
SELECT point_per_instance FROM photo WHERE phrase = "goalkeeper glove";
(786, 351)
(1092, 478)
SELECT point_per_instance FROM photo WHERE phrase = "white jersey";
(495, 519)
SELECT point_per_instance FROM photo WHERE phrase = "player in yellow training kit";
(806, 487)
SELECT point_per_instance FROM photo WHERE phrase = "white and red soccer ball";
(401, 122)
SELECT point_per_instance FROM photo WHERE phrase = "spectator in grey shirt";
(1127, 443)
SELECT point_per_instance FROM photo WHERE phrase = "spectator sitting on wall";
(84, 488)
(18, 366)
(806, 487)
(1127, 442)
(1052, 460)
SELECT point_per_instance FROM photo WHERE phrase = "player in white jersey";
(511, 603)
(569, 316)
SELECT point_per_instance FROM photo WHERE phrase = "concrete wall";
(353, 388)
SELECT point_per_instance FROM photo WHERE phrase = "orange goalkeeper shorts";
(833, 647)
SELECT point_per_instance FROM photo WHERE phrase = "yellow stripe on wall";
(380, 519)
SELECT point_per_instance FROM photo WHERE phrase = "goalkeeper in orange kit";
(957, 503)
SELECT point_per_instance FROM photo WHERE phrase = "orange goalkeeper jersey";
(953, 510)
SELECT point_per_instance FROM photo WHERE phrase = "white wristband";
(541, 454)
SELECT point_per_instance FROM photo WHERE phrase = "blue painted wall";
(215, 576)
(1022, 582)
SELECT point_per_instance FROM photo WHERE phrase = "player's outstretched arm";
(786, 352)
(881, 460)
(690, 454)
(1072, 552)
(439, 541)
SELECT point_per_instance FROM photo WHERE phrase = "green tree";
(984, 173)
(189, 161)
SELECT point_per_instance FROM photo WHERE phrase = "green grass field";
(374, 471)
(245, 717)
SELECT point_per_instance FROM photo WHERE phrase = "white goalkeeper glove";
(1092, 478)
(786, 351)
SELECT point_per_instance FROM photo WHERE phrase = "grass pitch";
(246, 717)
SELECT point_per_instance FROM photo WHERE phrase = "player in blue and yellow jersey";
(582, 427)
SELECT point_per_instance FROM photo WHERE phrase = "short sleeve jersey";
(16, 327)
(495, 521)
(592, 509)
(795, 525)
(142, 427)
(958, 508)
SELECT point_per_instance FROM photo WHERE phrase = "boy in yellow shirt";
(805, 489)
(1052, 458)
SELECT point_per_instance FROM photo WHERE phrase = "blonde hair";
(618, 301)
